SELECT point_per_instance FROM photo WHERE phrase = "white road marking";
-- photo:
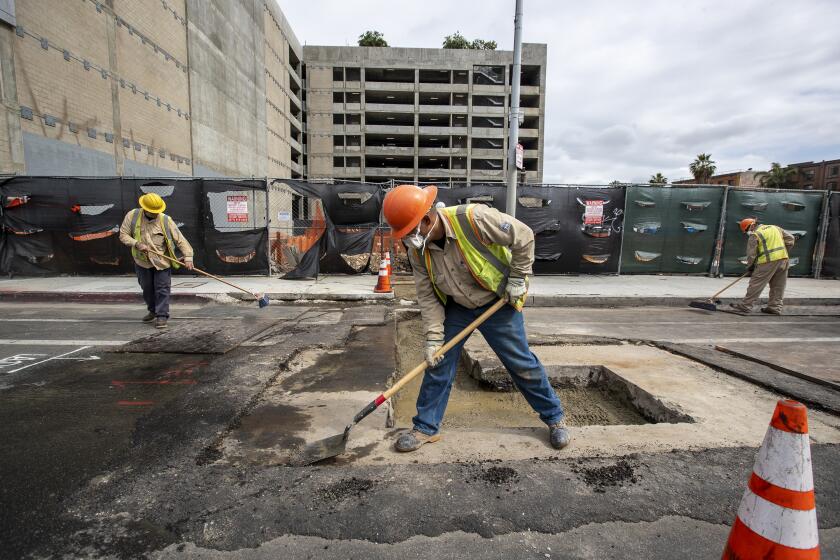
(756, 339)
(135, 321)
(61, 342)
(48, 359)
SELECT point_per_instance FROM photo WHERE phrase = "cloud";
(638, 88)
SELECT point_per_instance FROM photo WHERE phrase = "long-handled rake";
(335, 445)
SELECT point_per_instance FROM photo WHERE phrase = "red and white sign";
(237, 208)
(594, 213)
(520, 156)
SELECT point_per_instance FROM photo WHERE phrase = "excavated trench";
(483, 395)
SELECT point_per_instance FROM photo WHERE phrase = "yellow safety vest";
(165, 222)
(489, 263)
(771, 244)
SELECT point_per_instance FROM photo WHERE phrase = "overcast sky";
(636, 87)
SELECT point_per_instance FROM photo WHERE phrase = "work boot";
(559, 435)
(160, 322)
(149, 317)
(411, 441)
(740, 307)
(770, 311)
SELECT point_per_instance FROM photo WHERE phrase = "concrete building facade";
(375, 114)
(150, 88)
(156, 88)
(748, 178)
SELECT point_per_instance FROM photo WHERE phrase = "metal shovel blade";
(321, 449)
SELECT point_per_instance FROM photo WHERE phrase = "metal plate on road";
(202, 337)
(188, 284)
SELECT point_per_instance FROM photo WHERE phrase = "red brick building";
(818, 176)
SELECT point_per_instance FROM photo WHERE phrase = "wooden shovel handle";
(444, 349)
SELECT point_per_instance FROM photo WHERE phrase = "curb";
(26, 296)
(647, 301)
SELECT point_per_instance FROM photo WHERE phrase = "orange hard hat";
(404, 207)
(746, 223)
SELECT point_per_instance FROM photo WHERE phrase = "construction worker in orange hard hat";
(464, 259)
(147, 229)
(767, 259)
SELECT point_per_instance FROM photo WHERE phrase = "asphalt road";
(110, 454)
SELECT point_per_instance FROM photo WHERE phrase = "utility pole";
(513, 117)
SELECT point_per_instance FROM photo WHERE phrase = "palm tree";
(658, 179)
(702, 168)
(778, 177)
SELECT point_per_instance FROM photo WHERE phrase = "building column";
(12, 159)
(111, 33)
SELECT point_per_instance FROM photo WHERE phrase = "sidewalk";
(545, 291)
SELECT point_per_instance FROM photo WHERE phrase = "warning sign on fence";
(237, 208)
(594, 213)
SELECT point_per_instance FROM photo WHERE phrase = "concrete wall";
(110, 79)
(227, 86)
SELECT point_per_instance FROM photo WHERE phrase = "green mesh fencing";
(670, 229)
(797, 212)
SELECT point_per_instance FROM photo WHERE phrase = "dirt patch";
(493, 476)
(363, 364)
(599, 478)
(345, 489)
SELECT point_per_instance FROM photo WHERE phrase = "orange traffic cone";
(388, 262)
(777, 517)
(383, 284)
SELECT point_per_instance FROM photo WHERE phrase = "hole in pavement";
(483, 395)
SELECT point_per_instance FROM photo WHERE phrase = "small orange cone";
(777, 517)
(388, 262)
(383, 284)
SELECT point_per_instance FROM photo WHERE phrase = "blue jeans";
(504, 331)
(156, 285)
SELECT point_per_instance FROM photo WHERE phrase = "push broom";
(711, 303)
(262, 300)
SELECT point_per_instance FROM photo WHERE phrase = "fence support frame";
(819, 248)
(268, 224)
(714, 270)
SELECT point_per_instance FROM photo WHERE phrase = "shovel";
(335, 445)
(261, 300)
(710, 304)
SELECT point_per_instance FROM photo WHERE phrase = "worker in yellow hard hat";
(767, 257)
(147, 230)
(464, 259)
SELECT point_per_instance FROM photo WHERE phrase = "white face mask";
(417, 241)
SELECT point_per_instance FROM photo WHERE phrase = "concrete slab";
(727, 412)
(797, 359)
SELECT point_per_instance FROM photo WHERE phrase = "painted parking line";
(60, 356)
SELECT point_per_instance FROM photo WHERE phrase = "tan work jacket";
(152, 235)
(752, 245)
(452, 275)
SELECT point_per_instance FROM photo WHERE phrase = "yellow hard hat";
(152, 203)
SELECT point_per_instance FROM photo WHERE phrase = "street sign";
(520, 155)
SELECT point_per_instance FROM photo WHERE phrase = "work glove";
(515, 288)
(142, 247)
(188, 263)
(432, 346)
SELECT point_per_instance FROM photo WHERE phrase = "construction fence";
(299, 229)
